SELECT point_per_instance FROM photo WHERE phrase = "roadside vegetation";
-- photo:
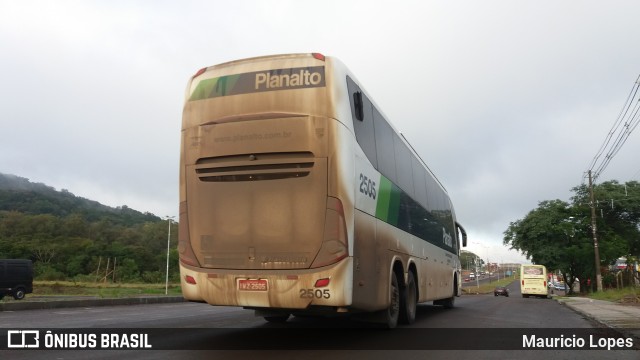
(559, 235)
(486, 288)
(70, 238)
(53, 290)
(627, 295)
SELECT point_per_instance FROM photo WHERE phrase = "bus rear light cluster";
(335, 244)
(190, 280)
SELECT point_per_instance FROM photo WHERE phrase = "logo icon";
(21, 339)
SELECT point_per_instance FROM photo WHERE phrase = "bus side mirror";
(462, 232)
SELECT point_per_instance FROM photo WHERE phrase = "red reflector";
(318, 56)
(190, 280)
(200, 72)
(322, 282)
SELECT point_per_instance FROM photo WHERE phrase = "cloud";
(507, 102)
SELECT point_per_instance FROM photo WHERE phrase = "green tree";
(469, 260)
(559, 235)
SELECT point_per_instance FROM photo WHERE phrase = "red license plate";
(252, 285)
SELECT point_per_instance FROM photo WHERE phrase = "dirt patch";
(633, 300)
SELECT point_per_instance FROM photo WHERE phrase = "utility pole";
(595, 236)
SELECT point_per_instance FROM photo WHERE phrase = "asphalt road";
(224, 332)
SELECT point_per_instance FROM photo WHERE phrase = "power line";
(622, 138)
(627, 121)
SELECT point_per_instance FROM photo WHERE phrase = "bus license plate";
(252, 285)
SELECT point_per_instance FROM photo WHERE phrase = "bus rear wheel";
(409, 300)
(449, 303)
(391, 314)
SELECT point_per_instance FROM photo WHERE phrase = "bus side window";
(363, 121)
(384, 147)
(404, 173)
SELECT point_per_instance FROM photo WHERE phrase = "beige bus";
(533, 281)
(297, 196)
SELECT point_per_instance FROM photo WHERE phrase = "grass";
(624, 295)
(487, 288)
(103, 290)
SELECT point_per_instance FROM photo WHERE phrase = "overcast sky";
(506, 101)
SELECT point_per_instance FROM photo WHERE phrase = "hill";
(19, 194)
(73, 238)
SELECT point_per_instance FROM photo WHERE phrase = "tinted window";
(419, 182)
(433, 192)
(363, 128)
(384, 146)
(403, 165)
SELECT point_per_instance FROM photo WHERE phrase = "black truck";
(16, 278)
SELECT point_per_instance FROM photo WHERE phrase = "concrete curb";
(68, 303)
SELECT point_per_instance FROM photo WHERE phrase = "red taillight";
(522, 282)
(199, 72)
(190, 279)
(318, 56)
(322, 282)
(545, 283)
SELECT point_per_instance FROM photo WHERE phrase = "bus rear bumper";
(283, 289)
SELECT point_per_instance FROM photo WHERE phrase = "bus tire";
(409, 300)
(392, 313)
(449, 303)
(277, 318)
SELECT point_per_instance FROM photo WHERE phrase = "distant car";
(560, 287)
(501, 290)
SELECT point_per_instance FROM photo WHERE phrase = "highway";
(193, 330)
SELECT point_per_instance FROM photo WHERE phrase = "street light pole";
(166, 282)
(477, 276)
